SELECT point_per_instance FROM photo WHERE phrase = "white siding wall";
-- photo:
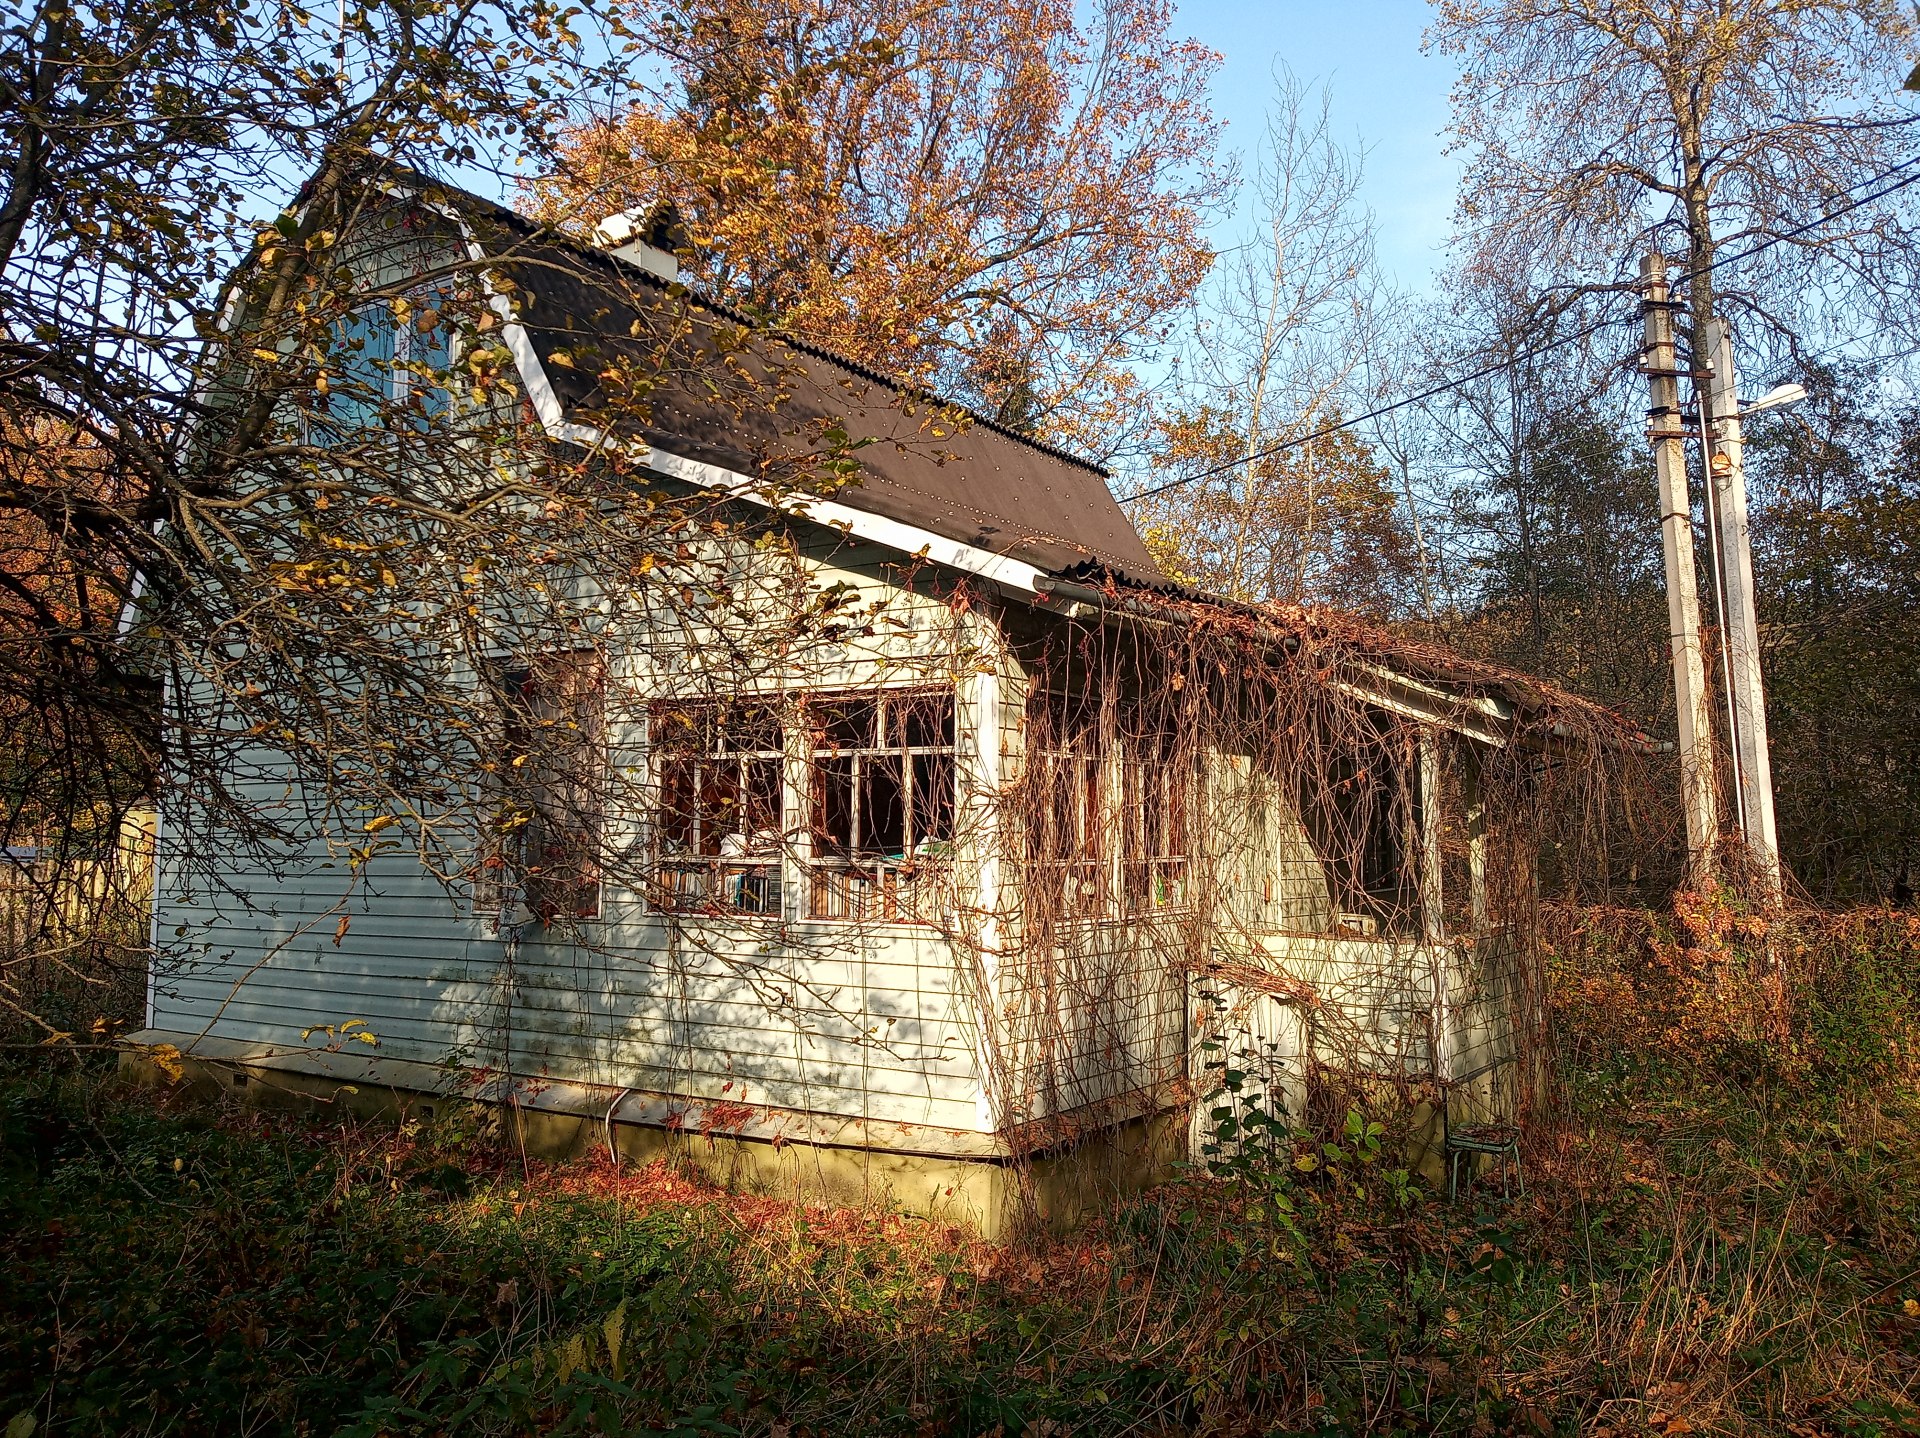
(1376, 999)
(860, 1021)
(1481, 1002)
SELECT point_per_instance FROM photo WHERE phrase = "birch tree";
(1596, 131)
(1265, 508)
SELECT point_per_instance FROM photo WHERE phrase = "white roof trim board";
(848, 519)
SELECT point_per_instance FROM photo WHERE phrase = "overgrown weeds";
(1719, 1235)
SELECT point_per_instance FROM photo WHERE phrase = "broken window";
(718, 829)
(1156, 791)
(1068, 822)
(1361, 803)
(881, 772)
(1111, 827)
(546, 819)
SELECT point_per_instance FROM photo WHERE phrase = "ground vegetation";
(1717, 1236)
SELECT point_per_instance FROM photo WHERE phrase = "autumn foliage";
(53, 590)
(1316, 523)
(1827, 999)
(1003, 201)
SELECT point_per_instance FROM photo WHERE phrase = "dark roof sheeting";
(973, 482)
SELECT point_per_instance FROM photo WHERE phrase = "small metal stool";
(1501, 1141)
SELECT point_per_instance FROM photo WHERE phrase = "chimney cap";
(646, 236)
(617, 228)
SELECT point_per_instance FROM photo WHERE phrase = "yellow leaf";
(615, 1330)
(572, 1357)
(385, 821)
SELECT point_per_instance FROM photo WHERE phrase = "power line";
(1912, 166)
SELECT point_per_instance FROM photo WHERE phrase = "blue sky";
(1387, 98)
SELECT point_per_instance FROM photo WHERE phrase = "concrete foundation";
(978, 1182)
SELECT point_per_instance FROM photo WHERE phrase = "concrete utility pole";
(1667, 431)
(1726, 467)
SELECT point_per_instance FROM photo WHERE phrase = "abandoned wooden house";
(959, 893)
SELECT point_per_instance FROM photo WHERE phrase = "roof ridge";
(548, 233)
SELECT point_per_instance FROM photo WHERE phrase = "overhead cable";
(1908, 172)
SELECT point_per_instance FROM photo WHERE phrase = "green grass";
(1721, 1233)
(1690, 1257)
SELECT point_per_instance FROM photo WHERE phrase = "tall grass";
(1720, 1233)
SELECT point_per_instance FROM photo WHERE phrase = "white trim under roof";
(857, 523)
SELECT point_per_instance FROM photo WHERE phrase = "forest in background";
(1009, 205)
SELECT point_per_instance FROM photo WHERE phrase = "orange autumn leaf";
(1002, 201)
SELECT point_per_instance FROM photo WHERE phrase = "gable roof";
(979, 485)
(975, 482)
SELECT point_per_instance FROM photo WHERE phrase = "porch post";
(980, 742)
(1433, 929)
(1432, 921)
(1476, 806)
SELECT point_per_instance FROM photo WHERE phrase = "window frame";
(407, 369)
(1113, 833)
(754, 868)
(1159, 788)
(850, 882)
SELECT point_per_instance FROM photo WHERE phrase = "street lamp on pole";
(1779, 395)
